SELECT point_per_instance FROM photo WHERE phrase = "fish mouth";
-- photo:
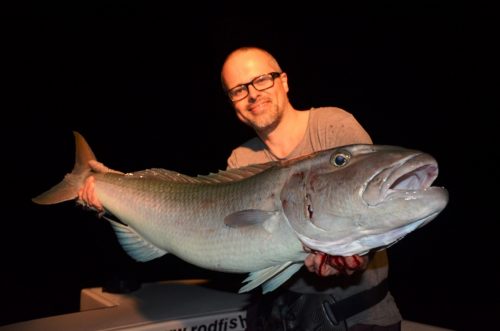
(407, 178)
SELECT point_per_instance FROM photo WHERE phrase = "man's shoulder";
(329, 112)
(329, 118)
(251, 151)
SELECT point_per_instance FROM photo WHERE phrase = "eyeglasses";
(260, 83)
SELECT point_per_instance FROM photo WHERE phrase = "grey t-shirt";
(329, 127)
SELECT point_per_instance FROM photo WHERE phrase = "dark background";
(142, 86)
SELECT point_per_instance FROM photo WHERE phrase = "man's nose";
(252, 92)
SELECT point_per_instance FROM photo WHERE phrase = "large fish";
(257, 219)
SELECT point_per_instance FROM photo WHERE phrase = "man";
(258, 90)
(355, 296)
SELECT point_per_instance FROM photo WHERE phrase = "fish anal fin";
(270, 278)
(282, 277)
(134, 244)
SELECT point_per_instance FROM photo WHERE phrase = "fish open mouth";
(417, 179)
(405, 178)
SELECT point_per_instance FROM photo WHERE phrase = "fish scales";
(262, 219)
(192, 212)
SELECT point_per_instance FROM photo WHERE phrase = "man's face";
(259, 109)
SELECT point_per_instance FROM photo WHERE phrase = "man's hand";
(87, 197)
(326, 265)
(86, 194)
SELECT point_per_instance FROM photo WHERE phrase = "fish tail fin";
(68, 188)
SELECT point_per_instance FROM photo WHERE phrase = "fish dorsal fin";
(270, 278)
(223, 176)
(164, 174)
(235, 174)
(134, 244)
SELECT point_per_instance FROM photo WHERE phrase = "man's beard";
(268, 122)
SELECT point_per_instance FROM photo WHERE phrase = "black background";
(142, 85)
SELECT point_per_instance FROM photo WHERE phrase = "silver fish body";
(342, 201)
(187, 218)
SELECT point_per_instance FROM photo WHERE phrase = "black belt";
(290, 311)
(355, 304)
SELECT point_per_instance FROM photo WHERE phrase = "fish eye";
(340, 159)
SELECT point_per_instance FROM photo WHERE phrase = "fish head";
(356, 198)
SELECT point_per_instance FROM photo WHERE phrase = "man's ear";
(284, 81)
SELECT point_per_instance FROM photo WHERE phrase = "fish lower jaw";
(341, 247)
(366, 241)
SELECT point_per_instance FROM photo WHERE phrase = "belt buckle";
(329, 311)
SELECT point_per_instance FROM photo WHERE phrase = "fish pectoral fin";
(248, 217)
(270, 278)
(134, 244)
